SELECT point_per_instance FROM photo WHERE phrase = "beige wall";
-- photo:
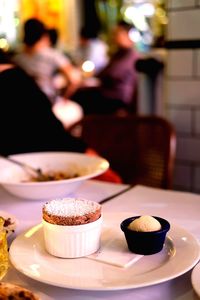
(182, 87)
(65, 15)
(71, 20)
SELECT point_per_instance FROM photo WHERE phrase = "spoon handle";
(28, 168)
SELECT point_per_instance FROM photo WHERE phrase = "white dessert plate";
(10, 222)
(76, 166)
(180, 253)
(195, 278)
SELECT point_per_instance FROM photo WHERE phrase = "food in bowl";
(72, 227)
(10, 291)
(145, 242)
(15, 179)
(52, 175)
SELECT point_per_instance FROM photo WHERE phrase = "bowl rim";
(62, 181)
(163, 229)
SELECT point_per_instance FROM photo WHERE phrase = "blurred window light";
(161, 15)
(129, 11)
(135, 35)
(147, 38)
(135, 15)
(147, 9)
(4, 44)
(149, 17)
(88, 66)
(8, 19)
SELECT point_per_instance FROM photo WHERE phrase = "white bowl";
(72, 241)
(13, 177)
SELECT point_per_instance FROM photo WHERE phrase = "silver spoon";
(36, 172)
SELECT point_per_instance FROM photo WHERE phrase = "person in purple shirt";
(118, 80)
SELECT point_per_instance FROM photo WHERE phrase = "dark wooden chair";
(140, 148)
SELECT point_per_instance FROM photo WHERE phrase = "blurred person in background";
(91, 48)
(27, 123)
(40, 60)
(51, 69)
(53, 36)
(59, 78)
(118, 80)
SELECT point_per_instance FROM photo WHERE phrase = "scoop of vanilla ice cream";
(145, 224)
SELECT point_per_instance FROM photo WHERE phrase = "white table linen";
(181, 208)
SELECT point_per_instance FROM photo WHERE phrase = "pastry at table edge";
(9, 291)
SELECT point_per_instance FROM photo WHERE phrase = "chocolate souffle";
(68, 211)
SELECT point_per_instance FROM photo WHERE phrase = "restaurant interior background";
(161, 32)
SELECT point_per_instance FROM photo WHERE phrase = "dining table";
(178, 207)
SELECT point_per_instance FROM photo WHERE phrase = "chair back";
(140, 148)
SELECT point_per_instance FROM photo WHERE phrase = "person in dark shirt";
(27, 123)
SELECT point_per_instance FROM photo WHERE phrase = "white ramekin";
(72, 241)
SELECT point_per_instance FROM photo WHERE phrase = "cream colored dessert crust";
(77, 220)
(71, 211)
